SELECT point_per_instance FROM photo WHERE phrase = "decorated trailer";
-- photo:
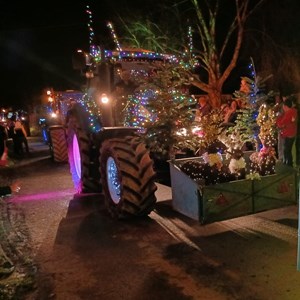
(226, 199)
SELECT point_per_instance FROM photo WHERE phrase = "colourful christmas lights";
(115, 38)
(90, 27)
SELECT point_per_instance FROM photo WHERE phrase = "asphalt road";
(67, 247)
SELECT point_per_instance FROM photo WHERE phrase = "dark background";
(37, 40)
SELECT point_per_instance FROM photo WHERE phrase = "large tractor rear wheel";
(83, 159)
(127, 177)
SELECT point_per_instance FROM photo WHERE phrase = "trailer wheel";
(127, 177)
(84, 164)
(59, 146)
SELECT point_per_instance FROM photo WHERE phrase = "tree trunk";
(215, 98)
(214, 94)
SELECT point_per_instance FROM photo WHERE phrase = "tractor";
(104, 155)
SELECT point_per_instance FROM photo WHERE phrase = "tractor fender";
(115, 132)
(58, 143)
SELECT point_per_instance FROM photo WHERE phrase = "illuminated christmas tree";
(251, 96)
(164, 111)
(257, 122)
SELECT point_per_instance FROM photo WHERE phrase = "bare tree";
(213, 47)
(218, 34)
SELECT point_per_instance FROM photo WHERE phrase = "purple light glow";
(76, 156)
(43, 196)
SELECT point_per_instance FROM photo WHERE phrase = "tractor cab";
(114, 76)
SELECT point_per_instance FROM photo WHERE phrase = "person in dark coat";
(9, 189)
(3, 138)
(20, 138)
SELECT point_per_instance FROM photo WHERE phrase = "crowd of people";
(13, 129)
(287, 123)
(228, 110)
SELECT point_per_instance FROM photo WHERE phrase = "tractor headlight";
(104, 99)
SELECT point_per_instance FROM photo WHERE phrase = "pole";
(298, 254)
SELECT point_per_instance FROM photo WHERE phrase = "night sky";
(37, 41)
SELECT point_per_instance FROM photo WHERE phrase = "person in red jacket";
(287, 125)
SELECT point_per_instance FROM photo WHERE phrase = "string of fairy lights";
(190, 39)
(90, 25)
(254, 88)
(95, 51)
(114, 36)
(137, 115)
(119, 53)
